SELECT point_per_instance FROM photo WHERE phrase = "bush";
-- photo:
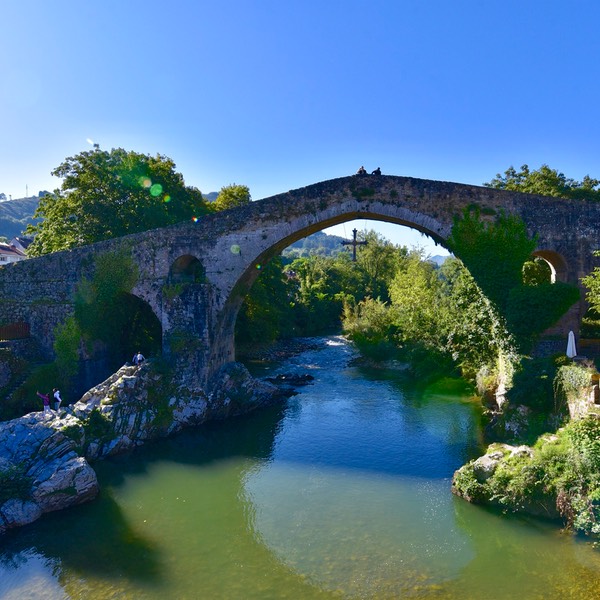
(24, 399)
(14, 484)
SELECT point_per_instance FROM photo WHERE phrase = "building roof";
(10, 250)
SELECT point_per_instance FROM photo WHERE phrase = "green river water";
(342, 492)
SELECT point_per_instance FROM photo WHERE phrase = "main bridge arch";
(195, 275)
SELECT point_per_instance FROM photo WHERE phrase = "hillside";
(317, 243)
(15, 215)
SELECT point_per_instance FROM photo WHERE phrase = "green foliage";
(370, 325)
(110, 194)
(232, 196)
(416, 291)
(181, 341)
(560, 477)
(494, 252)
(96, 426)
(466, 483)
(75, 433)
(105, 311)
(536, 272)
(14, 484)
(570, 383)
(379, 260)
(590, 325)
(24, 399)
(592, 283)
(171, 291)
(67, 341)
(532, 309)
(546, 181)
(533, 385)
(266, 312)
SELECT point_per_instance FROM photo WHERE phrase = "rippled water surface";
(343, 492)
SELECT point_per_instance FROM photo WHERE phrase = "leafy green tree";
(110, 194)
(475, 333)
(546, 181)
(493, 251)
(380, 260)
(266, 313)
(536, 271)
(416, 299)
(232, 196)
(592, 283)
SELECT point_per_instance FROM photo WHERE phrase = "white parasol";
(571, 349)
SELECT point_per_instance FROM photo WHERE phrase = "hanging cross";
(353, 243)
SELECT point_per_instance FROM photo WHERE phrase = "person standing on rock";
(57, 399)
(46, 400)
(138, 358)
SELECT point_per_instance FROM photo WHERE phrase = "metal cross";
(353, 243)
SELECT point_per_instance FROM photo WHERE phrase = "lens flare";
(156, 190)
(195, 219)
(235, 249)
(167, 198)
(259, 267)
(145, 182)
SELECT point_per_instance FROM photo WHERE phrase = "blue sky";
(278, 95)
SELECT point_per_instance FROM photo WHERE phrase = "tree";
(494, 252)
(546, 181)
(592, 283)
(380, 260)
(109, 194)
(232, 196)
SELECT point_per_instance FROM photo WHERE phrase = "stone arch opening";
(557, 264)
(261, 265)
(187, 269)
(130, 326)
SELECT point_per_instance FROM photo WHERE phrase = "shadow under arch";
(557, 264)
(187, 269)
(128, 325)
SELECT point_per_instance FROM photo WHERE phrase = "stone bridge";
(195, 275)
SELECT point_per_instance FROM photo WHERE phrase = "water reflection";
(342, 493)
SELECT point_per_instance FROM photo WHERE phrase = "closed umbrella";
(571, 350)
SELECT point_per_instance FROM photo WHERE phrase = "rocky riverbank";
(45, 462)
(558, 477)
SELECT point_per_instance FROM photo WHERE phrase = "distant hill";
(438, 260)
(317, 243)
(15, 215)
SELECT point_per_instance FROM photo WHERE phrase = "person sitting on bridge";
(361, 171)
(377, 171)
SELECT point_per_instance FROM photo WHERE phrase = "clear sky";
(281, 94)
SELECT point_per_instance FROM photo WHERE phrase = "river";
(342, 492)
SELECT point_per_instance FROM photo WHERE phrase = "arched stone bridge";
(195, 275)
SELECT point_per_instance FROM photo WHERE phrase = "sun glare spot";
(145, 182)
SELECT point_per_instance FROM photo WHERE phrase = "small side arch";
(187, 269)
(556, 262)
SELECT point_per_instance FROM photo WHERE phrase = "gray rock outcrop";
(45, 461)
